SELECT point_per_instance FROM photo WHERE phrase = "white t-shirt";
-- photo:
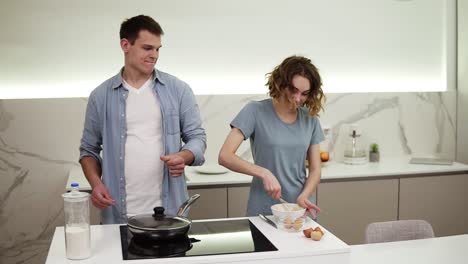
(143, 148)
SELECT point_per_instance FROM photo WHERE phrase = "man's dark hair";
(131, 27)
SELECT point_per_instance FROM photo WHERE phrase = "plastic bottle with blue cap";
(77, 223)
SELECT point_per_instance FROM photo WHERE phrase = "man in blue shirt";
(138, 119)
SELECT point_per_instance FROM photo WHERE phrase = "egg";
(299, 220)
(298, 223)
(319, 230)
(307, 232)
(297, 226)
(316, 235)
(288, 222)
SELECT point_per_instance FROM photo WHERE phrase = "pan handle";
(186, 205)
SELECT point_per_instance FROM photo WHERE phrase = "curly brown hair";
(281, 78)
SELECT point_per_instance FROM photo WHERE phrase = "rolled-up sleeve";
(193, 134)
(91, 141)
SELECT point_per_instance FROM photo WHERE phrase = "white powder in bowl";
(77, 242)
(288, 207)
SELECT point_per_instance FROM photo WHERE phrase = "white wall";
(56, 48)
(462, 111)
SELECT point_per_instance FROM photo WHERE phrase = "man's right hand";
(271, 184)
(100, 197)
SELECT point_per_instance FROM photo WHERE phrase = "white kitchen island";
(438, 250)
(292, 248)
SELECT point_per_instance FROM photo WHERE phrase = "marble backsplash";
(39, 141)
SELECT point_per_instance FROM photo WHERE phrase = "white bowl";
(289, 216)
(285, 210)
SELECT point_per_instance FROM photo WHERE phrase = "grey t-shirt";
(278, 147)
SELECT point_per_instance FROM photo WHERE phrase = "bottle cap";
(75, 195)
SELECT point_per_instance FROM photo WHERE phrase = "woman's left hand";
(304, 202)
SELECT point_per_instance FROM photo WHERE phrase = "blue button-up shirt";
(105, 130)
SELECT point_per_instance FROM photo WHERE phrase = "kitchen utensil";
(281, 214)
(173, 248)
(354, 152)
(290, 220)
(268, 220)
(285, 204)
(208, 237)
(159, 226)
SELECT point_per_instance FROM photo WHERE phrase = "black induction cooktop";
(204, 238)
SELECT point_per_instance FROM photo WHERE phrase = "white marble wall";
(39, 142)
(401, 123)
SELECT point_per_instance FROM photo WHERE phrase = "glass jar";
(355, 152)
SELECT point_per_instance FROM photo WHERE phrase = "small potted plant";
(374, 155)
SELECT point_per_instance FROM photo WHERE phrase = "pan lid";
(157, 221)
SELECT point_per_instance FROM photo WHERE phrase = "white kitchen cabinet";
(211, 204)
(440, 200)
(348, 207)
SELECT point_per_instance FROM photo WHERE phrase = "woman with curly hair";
(284, 131)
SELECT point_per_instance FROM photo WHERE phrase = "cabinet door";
(442, 201)
(348, 207)
(237, 201)
(94, 215)
(211, 204)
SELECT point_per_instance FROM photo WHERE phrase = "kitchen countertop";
(450, 249)
(331, 171)
(106, 248)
